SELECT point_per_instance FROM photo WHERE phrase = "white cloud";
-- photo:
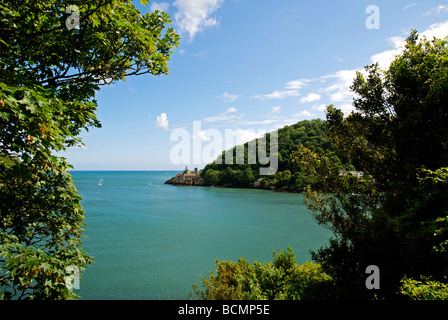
(221, 117)
(321, 107)
(304, 113)
(397, 41)
(244, 136)
(289, 122)
(161, 6)
(310, 98)
(162, 121)
(225, 116)
(384, 59)
(297, 84)
(277, 95)
(227, 97)
(340, 82)
(292, 90)
(438, 30)
(347, 108)
(201, 135)
(268, 121)
(437, 10)
(195, 15)
(336, 86)
(340, 89)
(276, 109)
(409, 6)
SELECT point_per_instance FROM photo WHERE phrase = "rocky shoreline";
(188, 183)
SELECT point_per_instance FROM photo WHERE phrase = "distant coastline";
(188, 179)
(121, 170)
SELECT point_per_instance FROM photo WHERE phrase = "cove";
(153, 241)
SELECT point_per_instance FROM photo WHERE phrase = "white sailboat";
(100, 182)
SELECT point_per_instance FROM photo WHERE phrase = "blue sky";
(245, 65)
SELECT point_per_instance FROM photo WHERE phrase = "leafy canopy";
(308, 133)
(48, 78)
(394, 215)
(282, 279)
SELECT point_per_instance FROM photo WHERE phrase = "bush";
(282, 279)
(424, 290)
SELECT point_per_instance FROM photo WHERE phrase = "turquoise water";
(153, 241)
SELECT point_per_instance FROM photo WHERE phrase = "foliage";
(282, 279)
(438, 178)
(114, 40)
(424, 290)
(41, 215)
(289, 176)
(48, 78)
(394, 214)
(212, 177)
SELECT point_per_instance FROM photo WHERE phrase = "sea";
(152, 241)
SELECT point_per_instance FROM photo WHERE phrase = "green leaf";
(43, 109)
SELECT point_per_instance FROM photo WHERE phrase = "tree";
(247, 177)
(48, 78)
(289, 176)
(281, 279)
(424, 290)
(212, 177)
(387, 216)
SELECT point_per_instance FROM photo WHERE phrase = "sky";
(246, 67)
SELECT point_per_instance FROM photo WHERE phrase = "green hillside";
(289, 177)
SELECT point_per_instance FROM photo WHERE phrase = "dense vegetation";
(49, 74)
(290, 177)
(395, 216)
(282, 279)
